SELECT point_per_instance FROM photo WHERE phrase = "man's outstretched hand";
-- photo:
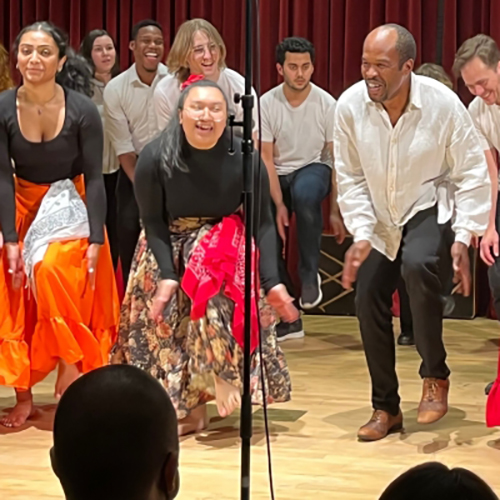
(461, 268)
(354, 257)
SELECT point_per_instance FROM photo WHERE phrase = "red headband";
(192, 79)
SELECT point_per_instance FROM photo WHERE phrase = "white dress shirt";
(129, 110)
(486, 118)
(387, 174)
(167, 95)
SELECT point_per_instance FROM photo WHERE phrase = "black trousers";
(445, 273)
(128, 222)
(418, 261)
(110, 181)
(405, 317)
(494, 273)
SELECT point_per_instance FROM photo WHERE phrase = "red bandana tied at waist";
(218, 261)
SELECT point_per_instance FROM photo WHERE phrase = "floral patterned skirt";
(185, 354)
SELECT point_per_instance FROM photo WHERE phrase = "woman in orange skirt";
(58, 300)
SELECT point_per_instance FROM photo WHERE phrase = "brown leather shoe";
(380, 425)
(434, 403)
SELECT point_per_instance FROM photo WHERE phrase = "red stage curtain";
(336, 27)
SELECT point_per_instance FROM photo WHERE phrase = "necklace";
(41, 106)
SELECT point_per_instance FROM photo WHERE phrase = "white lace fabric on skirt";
(62, 216)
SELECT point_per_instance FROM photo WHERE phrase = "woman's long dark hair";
(76, 73)
(173, 138)
(88, 44)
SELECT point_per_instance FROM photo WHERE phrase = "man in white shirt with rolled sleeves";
(398, 136)
(130, 121)
(478, 63)
(297, 149)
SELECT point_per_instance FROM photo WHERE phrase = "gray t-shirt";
(300, 133)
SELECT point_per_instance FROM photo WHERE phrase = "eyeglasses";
(197, 111)
(199, 50)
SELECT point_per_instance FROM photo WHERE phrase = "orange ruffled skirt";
(68, 320)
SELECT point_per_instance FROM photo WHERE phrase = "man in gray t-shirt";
(297, 149)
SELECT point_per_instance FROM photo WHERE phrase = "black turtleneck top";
(213, 187)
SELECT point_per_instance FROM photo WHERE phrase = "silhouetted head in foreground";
(115, 438)
(435, 481)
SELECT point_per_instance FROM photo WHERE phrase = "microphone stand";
(247, 102)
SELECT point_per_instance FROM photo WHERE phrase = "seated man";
(115, 438)
(297, 149)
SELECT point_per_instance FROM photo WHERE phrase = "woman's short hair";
(435, 71)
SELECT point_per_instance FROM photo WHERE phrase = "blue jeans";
(303, 193)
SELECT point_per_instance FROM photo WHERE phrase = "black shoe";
(406, 338)
(311, 295)
(488, 388)
(288, 331)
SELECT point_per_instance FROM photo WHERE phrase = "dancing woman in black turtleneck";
(182, 318)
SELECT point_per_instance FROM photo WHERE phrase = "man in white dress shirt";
(397, 137)
(478, 63)
(297, 149)
(131, 122)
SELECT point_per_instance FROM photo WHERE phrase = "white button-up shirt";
(487, 120)
(387, 174)
(129, 110)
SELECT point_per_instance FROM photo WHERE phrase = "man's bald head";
(388, 57)
(396, 37)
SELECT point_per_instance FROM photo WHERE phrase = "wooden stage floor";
(315, 452)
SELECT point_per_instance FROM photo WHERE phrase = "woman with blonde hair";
(198, 49)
